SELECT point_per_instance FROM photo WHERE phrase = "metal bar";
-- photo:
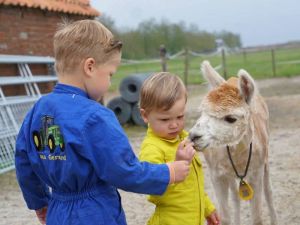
(2, 95)
(29, 73)
(8, 80)
(10, 114)
(17, 59)
(6, 169)
(19, 100)
(23, 74)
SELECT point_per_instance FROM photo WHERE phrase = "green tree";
(144, 41)
(230, 39)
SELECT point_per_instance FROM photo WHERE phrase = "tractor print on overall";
(49, 135)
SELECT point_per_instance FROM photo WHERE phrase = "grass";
(258, 64)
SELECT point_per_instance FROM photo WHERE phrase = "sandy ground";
(283, 98)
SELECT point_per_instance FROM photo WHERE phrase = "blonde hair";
(161, 91)
(79, 40)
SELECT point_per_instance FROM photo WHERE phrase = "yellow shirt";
(185, 203)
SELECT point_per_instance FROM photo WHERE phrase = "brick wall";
(25, 31)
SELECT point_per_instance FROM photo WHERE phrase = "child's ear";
(144, 115)
(88, 66)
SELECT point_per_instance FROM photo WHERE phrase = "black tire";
(37, 140)
(121, 108)
(51, 143)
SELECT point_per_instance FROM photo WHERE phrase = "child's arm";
(210, 211)
(35, 192)
(108, 149)
(213, 218)
(151, 153)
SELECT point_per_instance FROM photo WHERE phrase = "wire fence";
(260, 63)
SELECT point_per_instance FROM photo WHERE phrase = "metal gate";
(14, 108)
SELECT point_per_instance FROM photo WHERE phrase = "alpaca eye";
(230, 119)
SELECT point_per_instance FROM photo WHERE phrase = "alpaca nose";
(194, 137)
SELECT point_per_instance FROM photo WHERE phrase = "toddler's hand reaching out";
(185, 151)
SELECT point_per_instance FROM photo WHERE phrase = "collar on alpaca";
(247, 166)
(245, 190)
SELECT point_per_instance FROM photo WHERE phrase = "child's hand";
(185, 151)
(41, 214)
(178, 171)
(213, 219)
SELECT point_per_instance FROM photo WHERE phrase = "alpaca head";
(224, 113)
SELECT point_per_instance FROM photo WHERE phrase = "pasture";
(258, 63)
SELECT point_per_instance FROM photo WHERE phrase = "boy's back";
(67, 168)
(67, 109)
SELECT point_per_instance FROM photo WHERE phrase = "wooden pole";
(163, 64)
(273, 62)
(186, 66)
(224, 64)
(163, 58)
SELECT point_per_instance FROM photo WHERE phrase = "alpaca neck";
(247, 138)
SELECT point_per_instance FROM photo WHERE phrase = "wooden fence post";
(163, 57)
(186, 66)
(273, 62)
(224, 64)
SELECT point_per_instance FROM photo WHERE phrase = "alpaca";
(233, 129)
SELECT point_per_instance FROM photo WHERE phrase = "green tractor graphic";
(49, 135)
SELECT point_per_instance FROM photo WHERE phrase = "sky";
(258, 22)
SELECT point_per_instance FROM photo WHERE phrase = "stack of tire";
(126, 106)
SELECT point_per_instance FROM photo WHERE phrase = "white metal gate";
(14, 108)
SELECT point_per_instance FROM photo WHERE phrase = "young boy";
(73, 145)
(162, 104)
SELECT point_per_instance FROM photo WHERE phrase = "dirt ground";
(283, 98)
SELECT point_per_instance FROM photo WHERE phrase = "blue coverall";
(72, 155)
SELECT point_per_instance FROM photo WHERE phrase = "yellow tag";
(245, 191)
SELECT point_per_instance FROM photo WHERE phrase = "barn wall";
(25, 31)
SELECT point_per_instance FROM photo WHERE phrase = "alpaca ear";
(211, 75)
(246, 85)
